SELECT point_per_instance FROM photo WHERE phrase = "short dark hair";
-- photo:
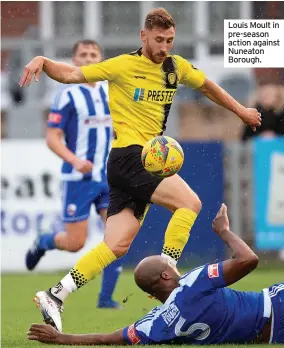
(84, 42)
(159, 17)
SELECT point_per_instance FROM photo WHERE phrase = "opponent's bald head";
(155, 275)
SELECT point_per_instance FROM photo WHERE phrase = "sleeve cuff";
(130, 335)
(86, 72)
(125, 335)
(54, 125)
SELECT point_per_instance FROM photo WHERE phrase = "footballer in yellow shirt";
(141, 92)
(142, 86)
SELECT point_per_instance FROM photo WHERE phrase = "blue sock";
(110, 277)
(46, 241)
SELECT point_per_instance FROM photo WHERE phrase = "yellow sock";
(92, 264)
(178, 232)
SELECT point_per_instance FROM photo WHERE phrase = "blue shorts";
(78, 197)
(276, 294)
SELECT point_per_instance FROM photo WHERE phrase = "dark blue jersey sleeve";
(131, 336)
(204, 278)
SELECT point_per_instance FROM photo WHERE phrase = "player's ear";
(165, 275)
(143, 35)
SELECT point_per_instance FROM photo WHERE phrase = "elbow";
(249, 263)
(206, 87)
(204, 90)
(67, 80)
(253, 261)
(48, 142)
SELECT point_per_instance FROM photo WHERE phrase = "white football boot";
(51, 308)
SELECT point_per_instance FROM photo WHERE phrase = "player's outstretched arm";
(47, 334)
(57, 71)
(218, 95)
(244, 259)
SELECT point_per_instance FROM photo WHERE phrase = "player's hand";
(251, 117)
(221, 222)
(33, 68)
(83, 166)
(43, 333)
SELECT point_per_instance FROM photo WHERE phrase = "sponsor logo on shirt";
(139, 94)
(162, 96)
(54, 118)
(95, 121)
(170, 314)
(213, 271)
(132, 336)
(165, 96)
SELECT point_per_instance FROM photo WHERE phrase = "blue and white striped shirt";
(82, 112)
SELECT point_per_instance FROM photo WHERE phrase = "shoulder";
(118, 60)
(181, 62)
(178, 59)
(127, 59)
(64, 95)
(66, 89)
(131, 57)
(103, 84)
(192, 276)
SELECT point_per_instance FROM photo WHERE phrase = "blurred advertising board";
(268, 174)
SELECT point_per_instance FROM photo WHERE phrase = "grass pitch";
(81, 314)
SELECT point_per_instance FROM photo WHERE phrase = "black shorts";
(131, 186)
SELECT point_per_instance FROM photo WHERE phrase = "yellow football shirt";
(141, 93)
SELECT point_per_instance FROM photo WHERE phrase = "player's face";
(158, 43)
(87, 54)
(172, 271)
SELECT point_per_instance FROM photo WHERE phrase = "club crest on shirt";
(172, 77)
(71, 209)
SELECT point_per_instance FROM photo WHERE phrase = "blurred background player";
(81, 115)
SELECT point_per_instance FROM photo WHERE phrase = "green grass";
(81, 315)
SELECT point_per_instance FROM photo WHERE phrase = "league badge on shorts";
(71, 209)
(172, 77)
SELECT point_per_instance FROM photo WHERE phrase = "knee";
(196, 205)
(119, 249)
(192, 202)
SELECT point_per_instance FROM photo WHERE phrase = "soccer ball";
(162, 156)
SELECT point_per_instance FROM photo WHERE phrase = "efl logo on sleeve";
(54, 118)
(213, 271)
(133, 338)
